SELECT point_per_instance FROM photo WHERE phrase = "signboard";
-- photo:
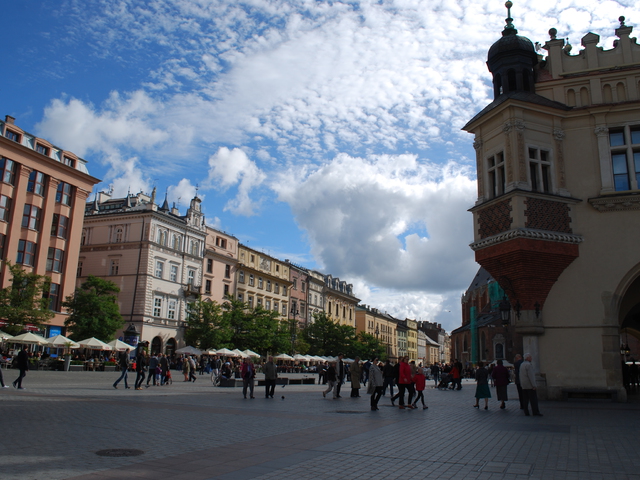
(53, 331)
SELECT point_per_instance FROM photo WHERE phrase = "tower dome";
(511, 60)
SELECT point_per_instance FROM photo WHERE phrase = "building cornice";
(616, 203)
(527, 233)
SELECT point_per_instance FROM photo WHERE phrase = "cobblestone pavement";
(53, 429)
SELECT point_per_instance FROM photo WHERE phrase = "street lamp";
(294, 324)
(505, 311)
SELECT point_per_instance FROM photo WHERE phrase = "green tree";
(369, 347)
(325, 337)
(94, 310)
(206, 326)
(25, 301)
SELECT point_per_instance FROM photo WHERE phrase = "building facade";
(315, 299)
(339, 301)
(380, 325)
(220, 265)
(154, 255)
(42, 196)
(298, 294)
(556, 219)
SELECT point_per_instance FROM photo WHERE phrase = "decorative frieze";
(527, 233)
(616, 204)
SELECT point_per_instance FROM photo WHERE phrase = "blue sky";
(323, 132)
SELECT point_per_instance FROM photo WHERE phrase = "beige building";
(380, 325)
(153, 254)
(262, 280)
(339, 301)
(220, 264)
(315, 300)
(556, 220)
(412, 339)
(42, 196)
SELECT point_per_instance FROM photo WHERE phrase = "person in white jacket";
(528, 384)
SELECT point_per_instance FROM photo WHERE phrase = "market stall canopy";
(301, 358)
(212, 351)
(283, 356)
(251, 353)
(189, 351)
(239, 353)
(120, 346)
(225, 352)
(60, 341)
(30, 339)
(5, 336)
(94, 344)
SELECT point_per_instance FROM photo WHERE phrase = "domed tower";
(511, 60)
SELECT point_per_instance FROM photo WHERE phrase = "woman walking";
(500, 376)
(331, 380)
(482, 386)
(405, 382)
(376, 383)
(356, 373)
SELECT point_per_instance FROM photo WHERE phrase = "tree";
(94, 310)
(369, 347)
(25, 301)
(325, 337)
(206, 326)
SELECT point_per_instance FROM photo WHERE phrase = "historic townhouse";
(439, 336)
(315, 297)
(42, 196)
(262, 280)
(153, 254)
(299, 277)
(220, 264)
(556, 220)
(381, 325)
(340, 303)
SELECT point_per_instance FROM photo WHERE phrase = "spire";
(509, 28)
(165, 205)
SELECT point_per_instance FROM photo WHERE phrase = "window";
(157, 307)
(69, 161)
(253, 258)
(12, 135)
(276, 288)
(63, 194)
(79, 270)
(267, 304)
(55, 258)
(221, 242)
(171, 309)
(174, 273)
(497, 178)
(251, 280)
(240, 296)
(226, 291)
(207, 286)
(276, 306)
(284, 290)
(227, 271)
(209, 265)
(241, 276)
(259, 282)
(191, 275)
(159, 268)
(284, 309)
(539, 170)
(268, 285)
(54, 297)
(302, 311)
(302, 286)
(625, 157)
(250, 302)
(295, 284)
(36, 183)
(26, 253)
(8, 170)
(59, 226)
(259, 302)
(119, 235)
(42, 149)
(194, 247)
(5, 207)
(177, 242)
(163, 237)
(31, 217)
(115, 267)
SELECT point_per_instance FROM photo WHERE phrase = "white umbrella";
(5, 336)
(189, 351)
(239, 353)
(211, 352)
(283, 356)
(94, 344)
(30, 338)
(225, 352)
(60, 341)
(119, 345)
(302, 358)
(250, 353)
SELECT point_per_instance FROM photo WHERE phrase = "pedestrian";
(123, 362)
(332, 380)
(482, 386)
(1, 378)
(164, 367)
(388, 375)
(141, 367)
(23, 366)
(500, 376)
(193, 366)
(435, 373)
(420, 381)
(396, 380)
(516, 370)
(185, 369)
(248, 373)
(153, 365)
(456, 374)
(405, 383)
(365, 376)
(356, 373)
(322, 373)
(376, 383)
(339, 375)
(528, 383)
(270, 376)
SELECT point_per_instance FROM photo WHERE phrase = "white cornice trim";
(616, 204)
(526, 233)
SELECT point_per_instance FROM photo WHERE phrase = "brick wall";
(547, 215)
(495, 219)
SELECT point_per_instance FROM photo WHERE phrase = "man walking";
(339, 375)
(528, 383)
(516, 367)
(248, 374)
(23, 366)
(123, 362)
(270, 376)
(153, 364)
(389, 374)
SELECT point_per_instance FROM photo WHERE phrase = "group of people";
(154, 368)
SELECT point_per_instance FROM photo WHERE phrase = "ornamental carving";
(558, 134)
(601, 131)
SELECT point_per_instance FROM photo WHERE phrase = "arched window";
(176, 243)
(156, 346)
(525, 80)
(584, 97)
(621, 91)
(194, 247)
(571, 98)
(162, 237)
(511, 80)
(170, 347)
(499, 351)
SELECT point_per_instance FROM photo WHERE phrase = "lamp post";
(505, 311)
(294, 327)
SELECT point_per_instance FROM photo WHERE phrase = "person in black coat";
(23, 366)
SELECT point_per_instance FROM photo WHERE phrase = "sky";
(323, 132)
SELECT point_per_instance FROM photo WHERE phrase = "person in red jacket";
(419, 380)
(455, 375)
(405, 383)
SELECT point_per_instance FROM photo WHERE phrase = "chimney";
(9, 119)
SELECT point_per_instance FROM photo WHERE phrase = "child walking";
(419, 379)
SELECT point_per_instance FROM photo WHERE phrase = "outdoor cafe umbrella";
(283, 356)
(189, 351)
(119, 345)
(226, 352)
(94, 344)
(60, 341)
(250, 353)
(5, 336)
(30, 339)
(301, 358)
(239, 353)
